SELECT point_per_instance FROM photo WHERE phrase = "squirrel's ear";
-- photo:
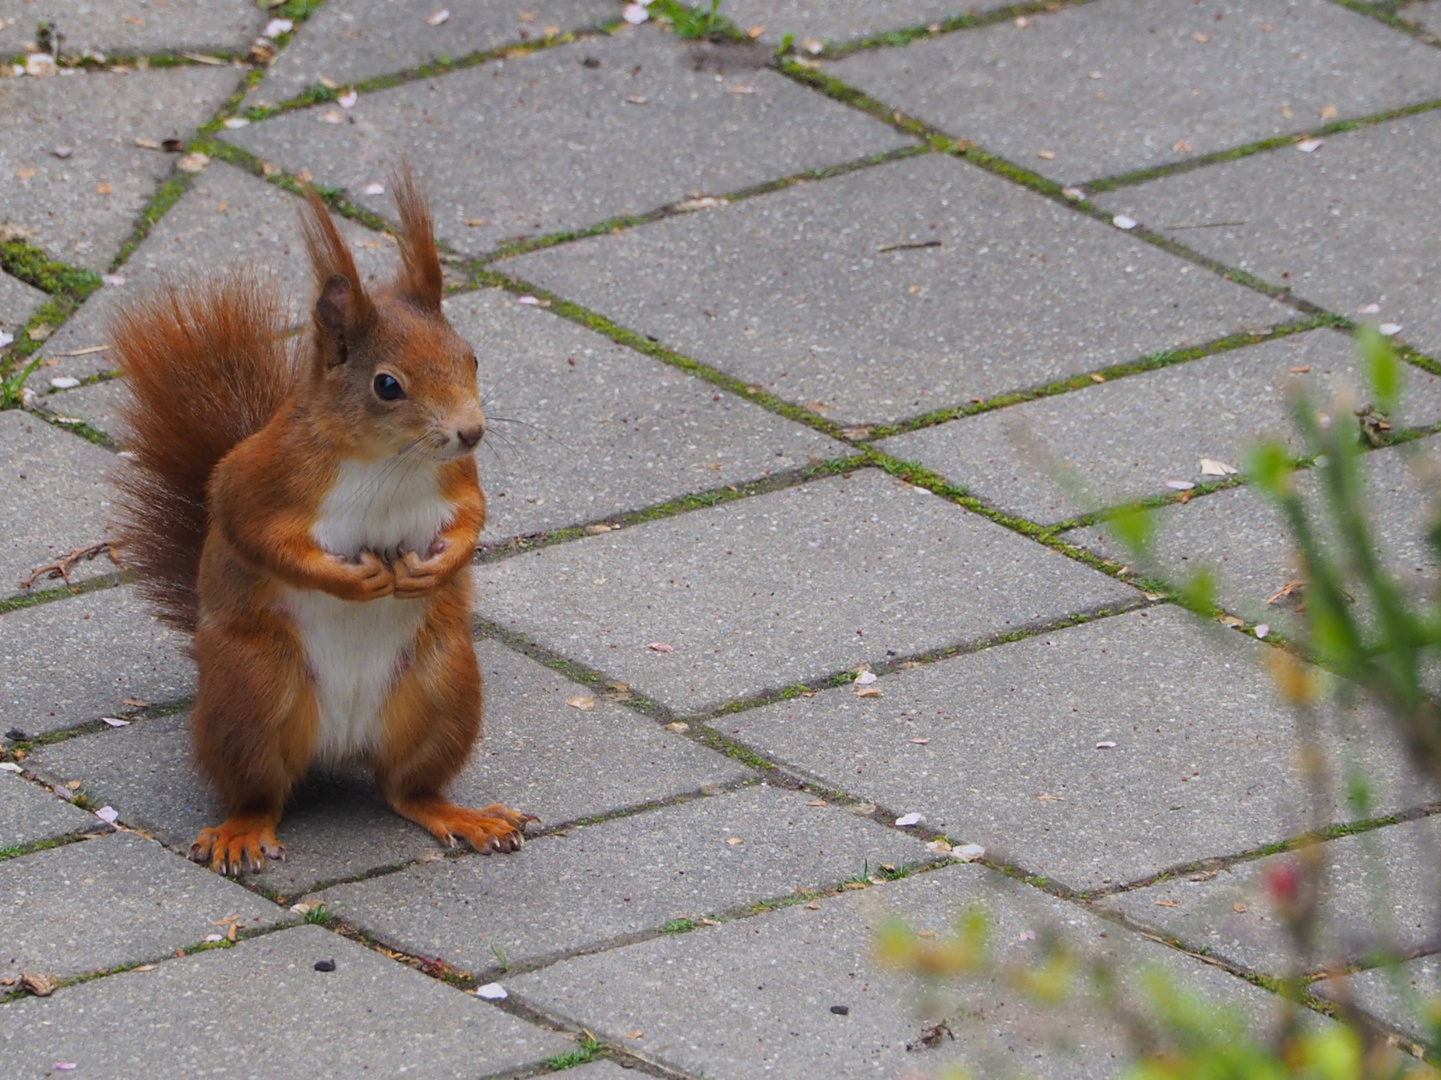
(335, 315)
(420, 280)
(343, 307)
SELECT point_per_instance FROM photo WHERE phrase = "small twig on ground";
(907, 245)
(61, 567)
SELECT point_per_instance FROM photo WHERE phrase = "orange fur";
(243, 462)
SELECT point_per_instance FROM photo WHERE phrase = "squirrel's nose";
(471, 436)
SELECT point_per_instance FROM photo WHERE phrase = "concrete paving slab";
(1397, 996)
(583, 428)
(360, 39)
(1244, 542)
(781, 588)
(1204, 764)
(77, 659)
(608, 882)
(506, 142)
(1132, 84)
(755, 997)
(597, 1070)
(806, 292)
(117, 899)
(227, 220)
(132, 27)
(56, 498)
(842, 20)
(170, 1023)
(538, 754)
(1423, 15)
(1336, 225)
(1054, 458)
(1378, 900)
(17, 301)
(29, 814)
(98, 404)
(82, 208)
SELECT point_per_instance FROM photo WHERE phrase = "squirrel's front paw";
(372, 577)
(415, 576)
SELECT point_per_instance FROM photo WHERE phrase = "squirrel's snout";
(470, 436)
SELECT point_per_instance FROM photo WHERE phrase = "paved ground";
(795, 368)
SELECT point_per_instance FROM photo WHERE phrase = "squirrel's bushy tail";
(207, 366)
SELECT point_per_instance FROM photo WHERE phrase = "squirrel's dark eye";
(388, 388)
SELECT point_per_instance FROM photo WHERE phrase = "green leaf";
(1134, 528)
(1199, 595)
(1383, 369)
(1269, 467)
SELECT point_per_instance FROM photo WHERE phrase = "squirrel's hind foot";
(239, 844)
(495, 828)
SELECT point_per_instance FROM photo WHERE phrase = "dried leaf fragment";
(968, 852)
(193, 163)
(439, 17)
(1328, 112)
(1300, 369)
(1181, 146)
(869, 691)
(1046, 155)
(38, 983)
(1286, 592)
(584, 704)
(1213, 467)
(734, 840)
(1167, 903)
(1307, 146)
(1239, 908)
(660, 647)
(816, 802)
(332, 116)
(1050, 798)
(102, 188)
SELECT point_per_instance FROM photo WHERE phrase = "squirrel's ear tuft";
(420, 280)
(343, 308)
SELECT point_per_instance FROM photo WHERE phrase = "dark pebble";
(15, 733)
(325, 965)
(840, 1010)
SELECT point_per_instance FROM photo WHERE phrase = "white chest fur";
(356, 650)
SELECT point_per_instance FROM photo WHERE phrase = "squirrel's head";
(405, 380)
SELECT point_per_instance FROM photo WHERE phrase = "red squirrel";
(310, 519)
